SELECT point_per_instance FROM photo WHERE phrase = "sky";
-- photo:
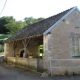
(20, 9)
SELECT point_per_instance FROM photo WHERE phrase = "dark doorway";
(21, 53)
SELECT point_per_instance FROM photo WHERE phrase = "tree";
(39, 19)
(31, 20)
(14, 26)
(4, 20)
(9, 25)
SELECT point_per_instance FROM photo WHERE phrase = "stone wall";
(8, 50)
(30, 64)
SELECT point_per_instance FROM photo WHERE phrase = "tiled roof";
(37, 28)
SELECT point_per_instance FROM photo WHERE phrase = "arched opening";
(21, 53)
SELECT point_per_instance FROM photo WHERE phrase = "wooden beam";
(24, 38)
(15, 44)
(26, 43)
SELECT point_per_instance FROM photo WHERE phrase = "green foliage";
(14, 26)
(9, 25)
(4, 20)
(1, 42)
(1, 53)
(1, 48)
(2, 38)
(31, 20)
(39, 19)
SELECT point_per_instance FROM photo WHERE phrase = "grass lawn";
(4, 36)
(1, 53)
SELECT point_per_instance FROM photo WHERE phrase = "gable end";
(47, 31)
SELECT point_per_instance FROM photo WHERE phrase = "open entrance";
(41, 51)
(39, 41)
(22, 53)
(34, 48)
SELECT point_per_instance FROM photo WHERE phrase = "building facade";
(60, 37)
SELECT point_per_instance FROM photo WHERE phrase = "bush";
(1, 48)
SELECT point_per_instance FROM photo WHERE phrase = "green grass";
(4, 36)
(1, 53)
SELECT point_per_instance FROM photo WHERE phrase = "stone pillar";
(6, 47)
(46, 58)
(47, 52)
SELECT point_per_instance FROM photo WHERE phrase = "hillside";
(2, 38)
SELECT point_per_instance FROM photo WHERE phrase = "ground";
(10, 72)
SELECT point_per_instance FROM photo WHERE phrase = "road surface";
(10, 72)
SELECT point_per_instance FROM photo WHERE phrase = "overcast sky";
(20, 9)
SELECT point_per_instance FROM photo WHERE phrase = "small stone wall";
(65, 66)
(30, 64)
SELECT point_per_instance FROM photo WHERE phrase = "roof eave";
(47, 31)
(23, 38)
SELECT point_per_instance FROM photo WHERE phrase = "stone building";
(60, 37)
